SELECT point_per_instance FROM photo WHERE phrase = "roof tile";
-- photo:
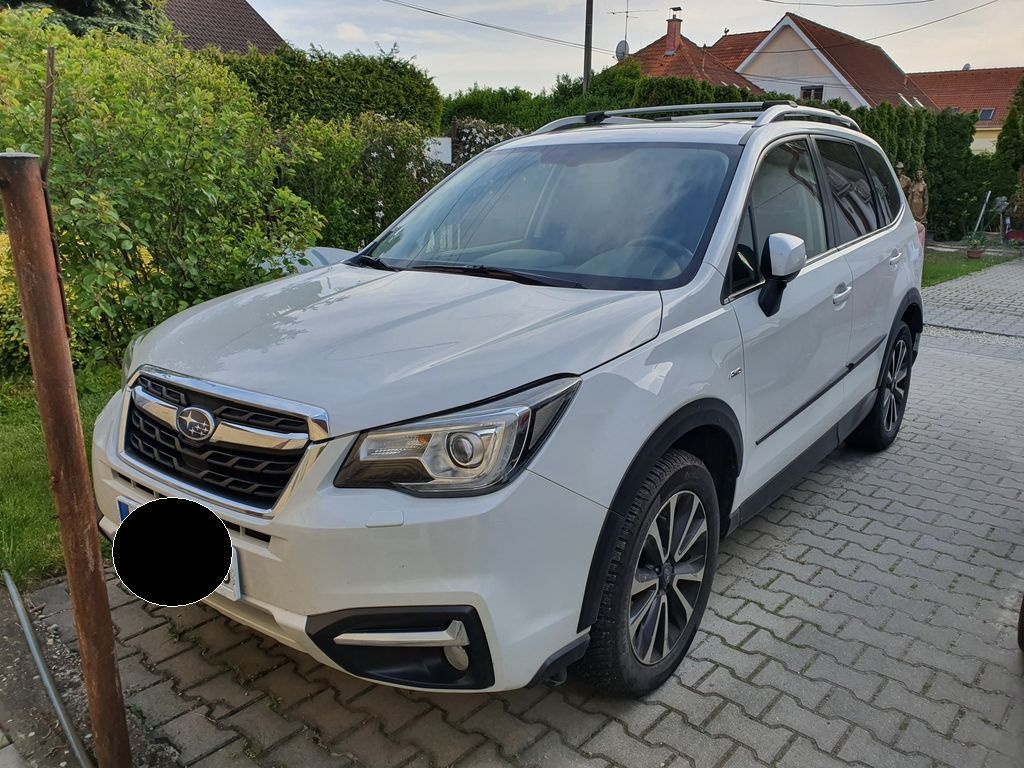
(972, 90)
(231, 25)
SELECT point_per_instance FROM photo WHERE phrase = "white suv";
(508, 435)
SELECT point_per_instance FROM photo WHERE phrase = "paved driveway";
(991, 300)
(867, 617)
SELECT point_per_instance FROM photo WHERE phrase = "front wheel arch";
(710, 422)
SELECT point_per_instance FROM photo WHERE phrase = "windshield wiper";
(499, 273)
(362, 260)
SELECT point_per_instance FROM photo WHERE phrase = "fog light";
(466, 449)
(457, 657)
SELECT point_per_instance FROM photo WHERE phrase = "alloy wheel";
(668, 577)
(895, 398)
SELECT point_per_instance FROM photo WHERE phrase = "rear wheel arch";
(706, 428)
(910, 312)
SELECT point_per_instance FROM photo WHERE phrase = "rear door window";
(849, 188)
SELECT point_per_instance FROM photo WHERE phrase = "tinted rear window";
(848, 185)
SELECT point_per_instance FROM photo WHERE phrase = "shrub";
(360, 174)
(13, 353)
(318, 84)
(471, 137)
(163, 180)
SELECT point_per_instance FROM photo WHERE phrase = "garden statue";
(905, 181)
(918, 197)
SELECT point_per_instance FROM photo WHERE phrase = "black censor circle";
(172, 552)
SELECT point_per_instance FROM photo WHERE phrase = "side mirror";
(784, 257)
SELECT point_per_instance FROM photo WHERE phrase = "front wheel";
(882, 424)
(658, 580)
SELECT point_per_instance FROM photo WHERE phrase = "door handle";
(842, 294)
(895, 257)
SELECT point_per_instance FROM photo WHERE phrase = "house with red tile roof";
(231, 25)
(811, 61)
(675, 55)
(985, 91)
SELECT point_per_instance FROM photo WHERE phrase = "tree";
(138, 18)
(1009, 155)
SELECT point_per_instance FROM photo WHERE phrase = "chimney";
(674, 26)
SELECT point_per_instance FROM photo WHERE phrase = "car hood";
(373, 348)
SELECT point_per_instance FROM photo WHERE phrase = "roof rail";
(776, 113)
(762, 112)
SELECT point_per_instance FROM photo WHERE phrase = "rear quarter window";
(883, 183)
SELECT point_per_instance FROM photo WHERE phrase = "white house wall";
(788, 72)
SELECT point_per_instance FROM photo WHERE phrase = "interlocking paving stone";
(989, 301)
(195, 736)
(159, 703)
(444, 743)
(261, 725)
(867, 617)
(616, 744)
(370, 747)
(511, 733)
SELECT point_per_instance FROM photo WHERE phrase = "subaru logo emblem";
(195, 423)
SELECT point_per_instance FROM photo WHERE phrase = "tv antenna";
(628, 14)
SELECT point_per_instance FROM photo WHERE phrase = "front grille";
(225, 410)
(245, 474)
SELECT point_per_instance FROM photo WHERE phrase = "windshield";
(615, 216)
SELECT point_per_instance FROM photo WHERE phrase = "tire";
(882, 424)
(640, 637)
(1020, 627)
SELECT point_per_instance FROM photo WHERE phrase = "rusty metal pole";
(41, 302)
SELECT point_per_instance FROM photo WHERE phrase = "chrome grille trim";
(240, 435)
(225, 433)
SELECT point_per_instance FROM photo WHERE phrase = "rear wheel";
(658, 581)
(882, 424)
(1020, 627)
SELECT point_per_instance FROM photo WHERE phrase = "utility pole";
(42, 306)
(588, 45)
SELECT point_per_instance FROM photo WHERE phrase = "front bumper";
(513, 562)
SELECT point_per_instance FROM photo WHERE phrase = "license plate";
(231, 587)
(125, 507)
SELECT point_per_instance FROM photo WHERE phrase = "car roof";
(721, 123)
(703, 132)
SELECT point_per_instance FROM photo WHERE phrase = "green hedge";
(164, 180)
(318, 84)
(359, 174)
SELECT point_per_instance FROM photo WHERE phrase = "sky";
(458, 55)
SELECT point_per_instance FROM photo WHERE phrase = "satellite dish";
(621, 50)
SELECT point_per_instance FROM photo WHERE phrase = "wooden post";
(41, 301)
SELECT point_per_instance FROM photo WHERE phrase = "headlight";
(471, 451)
(127, 367)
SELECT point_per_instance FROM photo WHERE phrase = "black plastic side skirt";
(802, 464)
(410, 667)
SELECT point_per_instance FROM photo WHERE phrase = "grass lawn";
(29, 539)
(940, 266)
